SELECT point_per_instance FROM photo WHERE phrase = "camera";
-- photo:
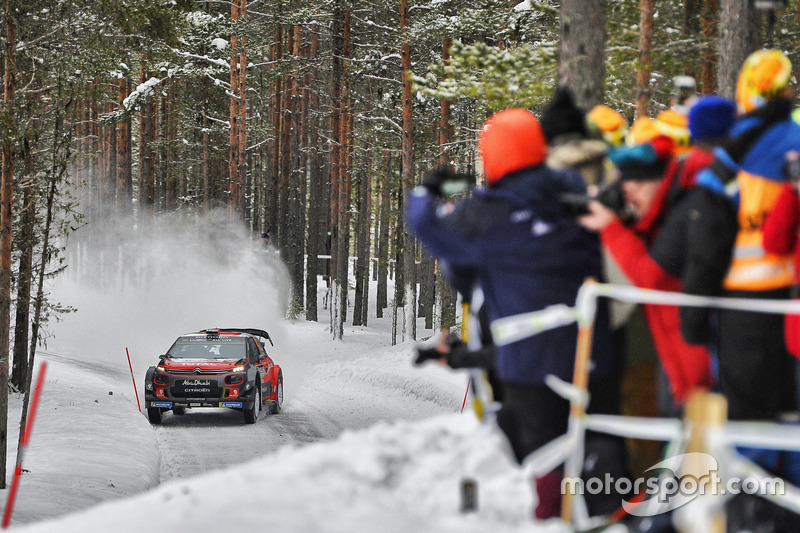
(457, 183)
(610, 195)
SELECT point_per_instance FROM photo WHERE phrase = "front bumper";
(185, 391)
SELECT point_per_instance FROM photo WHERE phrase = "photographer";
(667, 248)
(527, 255)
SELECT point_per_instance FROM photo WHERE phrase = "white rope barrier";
(569, 448)
(637, 427)
(514, 328)
(764, 435)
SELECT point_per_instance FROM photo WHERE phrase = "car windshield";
(208, 349)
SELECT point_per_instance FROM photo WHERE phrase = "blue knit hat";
(711, 117)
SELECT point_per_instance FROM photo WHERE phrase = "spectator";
(756, 373)
(781, 228)
(569, 145)
(643, 129)
(660, 250)
(527, 255)
(567, 130)
(609, 122)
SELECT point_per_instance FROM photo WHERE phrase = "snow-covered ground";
(388, 447)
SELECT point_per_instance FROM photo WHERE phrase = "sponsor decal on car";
(160, 404)
(195, 383)
(230, 404)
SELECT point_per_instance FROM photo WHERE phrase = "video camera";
(458, 183)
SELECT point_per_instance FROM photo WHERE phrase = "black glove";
(427, 354)
(434, 179)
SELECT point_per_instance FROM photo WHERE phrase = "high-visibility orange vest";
(752, 268)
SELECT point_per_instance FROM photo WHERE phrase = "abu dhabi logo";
(672, 483)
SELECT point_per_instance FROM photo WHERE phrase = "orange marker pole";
(135, 390)
(26, 435)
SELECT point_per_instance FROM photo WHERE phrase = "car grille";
(196, 388)
(197, 371)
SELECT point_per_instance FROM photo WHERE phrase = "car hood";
(201, 363)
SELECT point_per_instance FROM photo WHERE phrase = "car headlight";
(239, 368)
(161, 369)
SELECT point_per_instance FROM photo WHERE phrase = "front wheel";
(154, 415)
(251, 415)
(275, 408)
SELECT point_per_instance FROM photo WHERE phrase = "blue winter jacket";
(528, 255)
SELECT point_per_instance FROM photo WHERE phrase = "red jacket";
(780, 237)
(687, 366)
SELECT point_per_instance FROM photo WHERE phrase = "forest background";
(308, 121)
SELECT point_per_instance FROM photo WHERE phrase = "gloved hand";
(434, 179)
(427, 354)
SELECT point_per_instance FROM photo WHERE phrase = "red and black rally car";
(215, 368)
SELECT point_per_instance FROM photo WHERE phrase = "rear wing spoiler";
(250, 331)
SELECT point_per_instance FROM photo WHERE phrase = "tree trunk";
(171, 176)
(147, 123)
(581, 64)
(444, 294)
(124, 171)
(163, 162)
(739, 26)
(426, 289)
(645, 65)
(26, 245)
(286, 159)
(295, 242)
(241, 143)
(709, 29)
(274, 208)
(316, 209)
(409, 255)
(381, 298)
(233, 139)
(206, 144)
(6, 201)
(445, 305)
(362, 232)
(335, 175)
(399, 271)
(345, 183)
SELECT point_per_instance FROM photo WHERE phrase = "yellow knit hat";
(674, 125)
(764, 75)
(610, 123)
(643, 129)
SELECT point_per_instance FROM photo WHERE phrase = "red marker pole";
(134, 379)
(26, 435)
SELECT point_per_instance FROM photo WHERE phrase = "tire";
(275, 408)
(179, 411)
(154, 415)
(251, 415)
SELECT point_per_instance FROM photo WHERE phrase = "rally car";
(215, 368)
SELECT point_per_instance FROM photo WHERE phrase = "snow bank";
(393, 477)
